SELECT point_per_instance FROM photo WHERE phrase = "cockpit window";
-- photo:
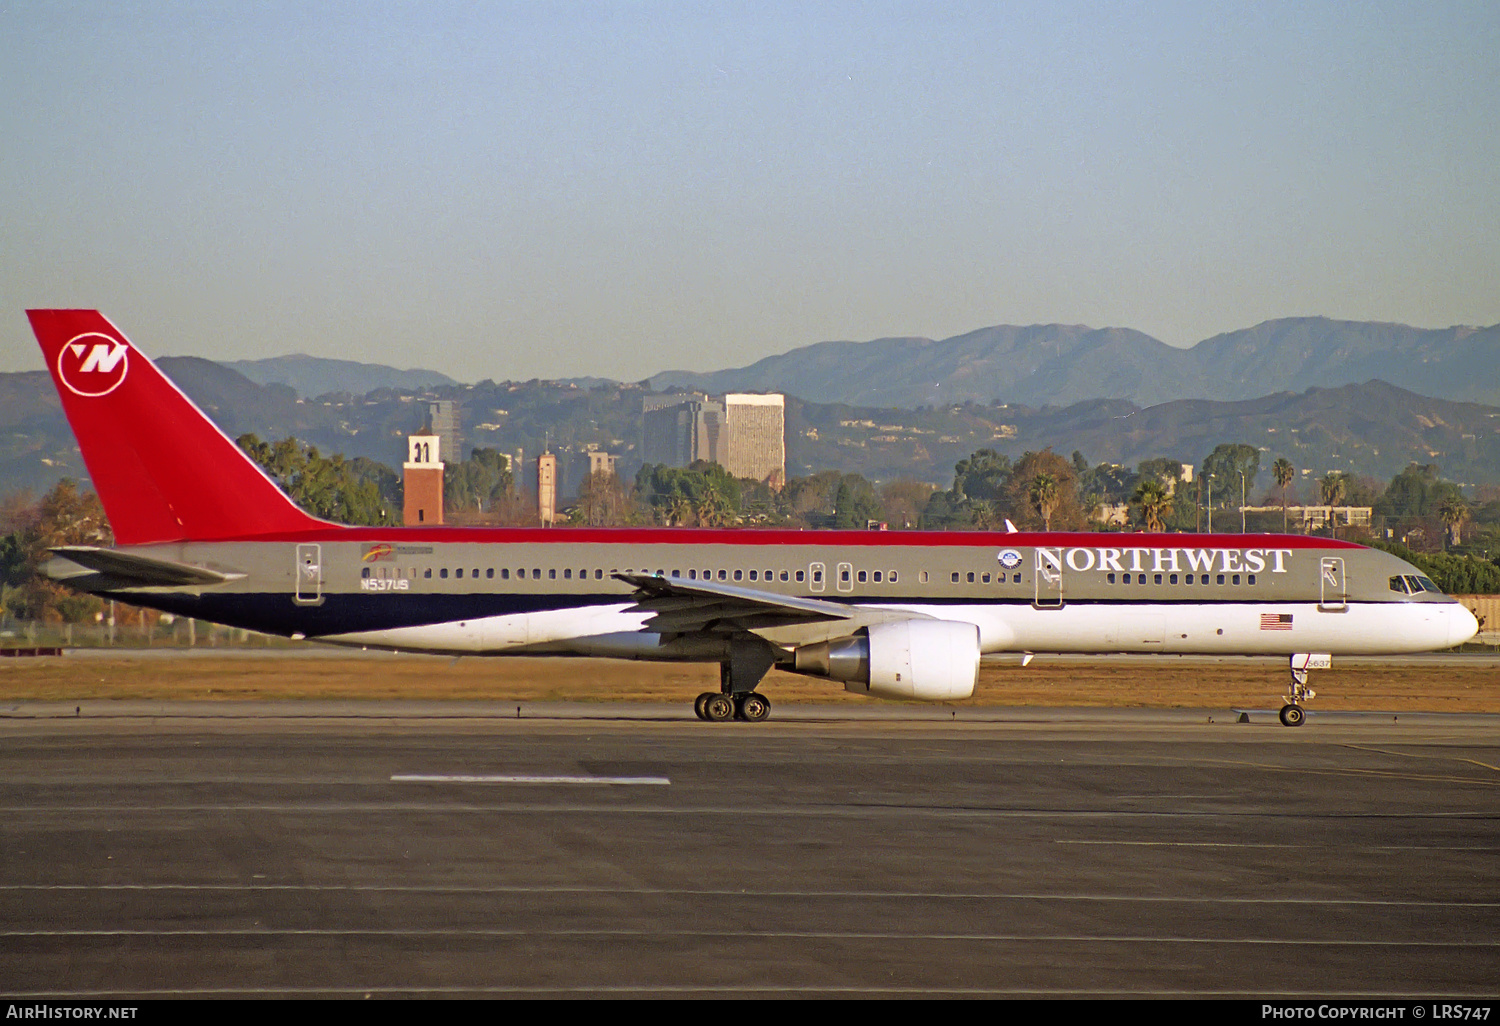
(1427, 585)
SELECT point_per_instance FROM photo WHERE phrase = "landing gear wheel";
(700, 702)
(718, 709)
(1292, 716)
(754, 707)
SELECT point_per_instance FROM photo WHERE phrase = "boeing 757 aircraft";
(201, 531)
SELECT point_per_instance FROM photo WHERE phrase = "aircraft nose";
(1462, 625)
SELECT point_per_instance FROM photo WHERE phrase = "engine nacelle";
(931, 660)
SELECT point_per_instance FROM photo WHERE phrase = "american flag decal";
(1275, 621)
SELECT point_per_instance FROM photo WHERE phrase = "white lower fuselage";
(1179, 628)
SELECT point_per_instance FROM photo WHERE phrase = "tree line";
(1417, 514)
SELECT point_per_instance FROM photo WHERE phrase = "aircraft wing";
(691, 607)
(127, 570)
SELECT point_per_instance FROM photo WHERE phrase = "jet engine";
(932, 660)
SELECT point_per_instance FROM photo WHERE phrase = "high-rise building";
(422, 481)
(757, 437)
(443, 419)
(745, 434)
(679, 430)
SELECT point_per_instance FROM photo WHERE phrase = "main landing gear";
(1292, 714)
(749, 661)
(717, 707)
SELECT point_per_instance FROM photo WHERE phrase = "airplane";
(201, 531)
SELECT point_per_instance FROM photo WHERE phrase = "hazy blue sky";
(512, 190)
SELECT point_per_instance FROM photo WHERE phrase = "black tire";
(700, 702)
(754, 707)
(1292, 716)
(718, 709)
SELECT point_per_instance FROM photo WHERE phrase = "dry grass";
(1437, 687)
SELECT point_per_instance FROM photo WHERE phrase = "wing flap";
(692, 607)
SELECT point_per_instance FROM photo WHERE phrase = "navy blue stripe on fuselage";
(346, 613)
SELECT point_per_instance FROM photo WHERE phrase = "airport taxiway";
(344, 849)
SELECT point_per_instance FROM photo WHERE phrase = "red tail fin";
(163, 470)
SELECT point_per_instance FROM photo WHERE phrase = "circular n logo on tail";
(93, 364)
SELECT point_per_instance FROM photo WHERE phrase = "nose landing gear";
(1292, 714)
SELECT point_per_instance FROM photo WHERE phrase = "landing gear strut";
(1292, 714)
(749, 661)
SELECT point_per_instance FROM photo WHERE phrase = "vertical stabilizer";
(163, 470)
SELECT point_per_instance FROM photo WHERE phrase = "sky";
(553, 189)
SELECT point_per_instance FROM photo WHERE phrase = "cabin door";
(1048, 569)
(309, 573)
(1334, 592)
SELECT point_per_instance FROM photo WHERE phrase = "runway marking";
(822, 812)
(456, 778)
(739, 893)
(1337, 847)
(996, 938)
(1424, 755)
(774, 989)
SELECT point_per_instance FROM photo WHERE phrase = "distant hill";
(1060, 364)
(312, 376)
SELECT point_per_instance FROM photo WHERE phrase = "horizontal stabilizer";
(141, 571)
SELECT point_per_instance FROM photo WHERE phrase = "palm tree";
(1044, 496)
(1332, 484)
(1284, 473)
(713, 510)
(1156, 505)
(1453, 512)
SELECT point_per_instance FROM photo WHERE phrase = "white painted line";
(454, 778)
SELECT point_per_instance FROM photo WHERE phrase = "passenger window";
(427, 573)
(1157, 579)
(893, 577)
(536, 573)
(739, 575)
(568, 574)
(878, 577)
(443, 573)
(489, 573)
(551, 573)
(1172, 579)
(365, 573)
(955, 577)
(817, 576)
(459, 573)
(861, 577)
(1221, 578)
(692, 574)
(785, 576)
(970, 577)
(1109, 578)
(676, 573)
(768, 575)
(1235, 579)
(1250, 579)
(799, 576)
(505, 573)
(723, 575)
(752, 575)
(1016, 578)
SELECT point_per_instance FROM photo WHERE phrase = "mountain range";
(1369, 427)
(1060, 364)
